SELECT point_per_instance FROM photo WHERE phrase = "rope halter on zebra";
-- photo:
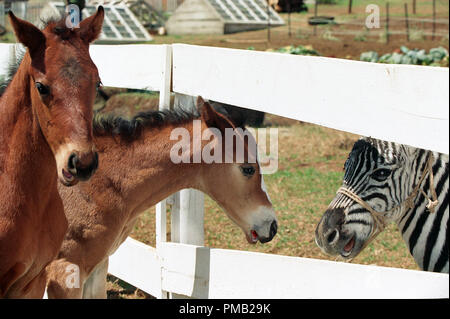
(394, 213)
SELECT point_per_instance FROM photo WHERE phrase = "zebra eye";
(381, 174)
(248, 170)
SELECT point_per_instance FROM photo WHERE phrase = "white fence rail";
(399, 103)
(202, 272)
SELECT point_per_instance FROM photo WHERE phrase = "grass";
(119, 289)
(311, 160)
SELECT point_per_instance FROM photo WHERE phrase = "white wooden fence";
(399, 103)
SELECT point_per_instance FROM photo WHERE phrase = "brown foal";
(45, 135)
(136, 173)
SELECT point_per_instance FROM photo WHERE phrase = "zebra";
(389, 182)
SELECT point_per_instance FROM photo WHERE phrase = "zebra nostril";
(331, 238)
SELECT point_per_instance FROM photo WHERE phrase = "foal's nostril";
(272, 232)
(332, 236)
(72, 163)
(273, 229)
(87, 167)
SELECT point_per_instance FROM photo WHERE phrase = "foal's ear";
(27, 34)
(90, 28)
(211, 117)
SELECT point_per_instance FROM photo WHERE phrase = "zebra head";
(376, 175)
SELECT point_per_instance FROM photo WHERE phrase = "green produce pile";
(435, 57)
(299, 50)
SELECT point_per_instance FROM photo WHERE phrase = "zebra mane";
(391, 152)
(387, 152)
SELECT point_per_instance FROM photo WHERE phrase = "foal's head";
(235, 180)
(61, 86)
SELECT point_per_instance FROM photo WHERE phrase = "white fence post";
(164, 94)
(175, 218)
(187, 206)
(192, 217)
(164, 103)
(187, 214)
(191, 202)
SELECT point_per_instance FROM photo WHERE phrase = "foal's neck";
(143, 168)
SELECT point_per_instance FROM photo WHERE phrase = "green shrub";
(435, 57)
(299, 50)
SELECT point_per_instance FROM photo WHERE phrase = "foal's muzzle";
(264, 226)
(83, 166)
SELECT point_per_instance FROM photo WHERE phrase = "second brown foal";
(137, 172)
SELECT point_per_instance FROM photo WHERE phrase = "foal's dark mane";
(131, 129)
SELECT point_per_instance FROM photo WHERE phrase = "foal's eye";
(99, 85)
(381, 174)
(42, 89)
(248, 170)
